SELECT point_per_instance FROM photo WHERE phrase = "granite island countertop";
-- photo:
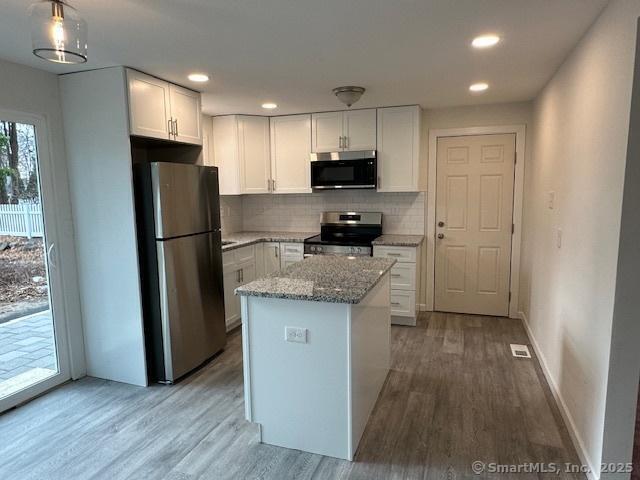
(322, 278)
(243, 239)
(399, 240)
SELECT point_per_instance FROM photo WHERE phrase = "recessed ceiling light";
(479, 87)
(198, 77)
(269, 106)
(485, 41)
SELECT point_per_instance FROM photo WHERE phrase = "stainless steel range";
(345, 233)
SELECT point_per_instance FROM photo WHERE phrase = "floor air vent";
(521, 351)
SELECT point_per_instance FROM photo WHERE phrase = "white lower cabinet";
(291, 253)
(271, 257)
(244, 265)
(405, 282)
(231, 302)
(238, 267)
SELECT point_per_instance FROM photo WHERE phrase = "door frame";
(52, 237)
(518, 191)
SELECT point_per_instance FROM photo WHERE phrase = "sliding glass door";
(33, 353)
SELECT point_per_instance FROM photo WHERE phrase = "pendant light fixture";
(58, 32)
(348, 95)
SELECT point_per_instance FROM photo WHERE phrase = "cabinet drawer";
(245, 254)
(293, 250)
(403, 276)
(400, 254)
(403, 303)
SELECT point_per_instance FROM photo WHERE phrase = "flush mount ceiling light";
(485, 41)
(269, 106)
(198, 77)
(58, 32)
(348, 95)
(478, 87)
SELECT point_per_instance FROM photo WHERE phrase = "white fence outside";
(24, 220)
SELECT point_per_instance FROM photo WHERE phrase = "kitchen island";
(316, 351)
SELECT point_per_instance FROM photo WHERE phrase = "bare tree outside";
(23, 283)
(18, 163)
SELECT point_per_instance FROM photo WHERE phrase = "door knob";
(441, 236)
(441, 224)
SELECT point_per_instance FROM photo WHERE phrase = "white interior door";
(474, 217)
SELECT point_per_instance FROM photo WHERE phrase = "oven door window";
(343, 174)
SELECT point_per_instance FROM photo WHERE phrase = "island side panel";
(298, 392)
(369, 353)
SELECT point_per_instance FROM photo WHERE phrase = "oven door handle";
(307, 255)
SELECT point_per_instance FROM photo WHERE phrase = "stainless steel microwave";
(344, 170)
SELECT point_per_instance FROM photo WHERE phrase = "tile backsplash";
(403, 213)
(231, 213)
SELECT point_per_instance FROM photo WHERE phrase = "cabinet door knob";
(441, 224)
(441, 236)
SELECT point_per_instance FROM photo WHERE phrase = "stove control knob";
(319, 249)
(358, 250)
(313, 249)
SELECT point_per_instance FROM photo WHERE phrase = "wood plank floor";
(454, 395)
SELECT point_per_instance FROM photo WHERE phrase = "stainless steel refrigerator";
(178, 216)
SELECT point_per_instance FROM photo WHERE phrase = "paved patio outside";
(26, 343)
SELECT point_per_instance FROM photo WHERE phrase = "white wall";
(581, 120)
(99, 159)
(624, 360)
(32, 91)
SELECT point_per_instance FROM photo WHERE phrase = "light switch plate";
(295, 334)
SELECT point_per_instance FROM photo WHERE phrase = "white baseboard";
(578, 444)
(423, 307)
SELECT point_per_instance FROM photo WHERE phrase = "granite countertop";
(399, 240)
(322, 278)
(242, 239)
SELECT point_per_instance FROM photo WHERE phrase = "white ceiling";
(293, 52)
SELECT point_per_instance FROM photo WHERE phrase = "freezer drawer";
(191, 301)
(185, 199)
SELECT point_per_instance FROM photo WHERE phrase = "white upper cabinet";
(149, 111)
(327, 131)
(399, 168)
(186, 115)
(241, 153)
(360, 130)
(290, 154)
(225, 154)
(255, 163)
(158, 109)
(343, 131)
